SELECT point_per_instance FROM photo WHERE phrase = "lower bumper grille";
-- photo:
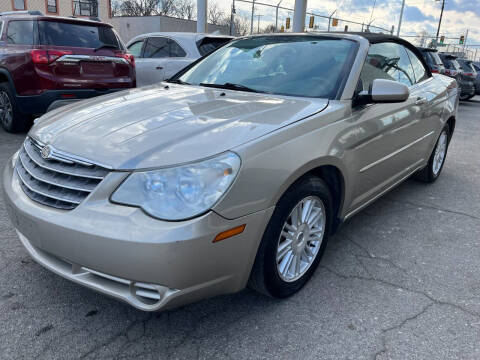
(61, 183)
(144, 296)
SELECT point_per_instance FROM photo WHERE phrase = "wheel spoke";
(314, 218)
(297, 265)
(290, 227)
(288, 263)
(316, 231)
(307, 210)
(283, 263)
(294, 217)
(308, 251)
(284, 249)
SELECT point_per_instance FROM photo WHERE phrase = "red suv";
(50, 61)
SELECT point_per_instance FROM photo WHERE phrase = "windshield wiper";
(231, 86)
(177, 81)
(106, 46)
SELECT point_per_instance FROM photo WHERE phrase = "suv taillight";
(128, 57)
(47, 56)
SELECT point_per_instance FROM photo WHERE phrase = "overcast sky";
(419, 15)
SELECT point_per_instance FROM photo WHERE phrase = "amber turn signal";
(229, 233)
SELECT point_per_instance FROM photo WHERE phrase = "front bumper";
(122, 252)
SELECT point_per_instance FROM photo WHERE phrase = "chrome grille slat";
(93, 172)
(35, 186)
(47, 201)
(55, 183)
(56, 179)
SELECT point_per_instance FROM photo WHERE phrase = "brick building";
(100, 8)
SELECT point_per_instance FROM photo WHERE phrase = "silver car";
(234, 173)
(160, 55)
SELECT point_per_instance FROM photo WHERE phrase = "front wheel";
(432, 171)
(294, 240)
(466, 97)
(11, 118)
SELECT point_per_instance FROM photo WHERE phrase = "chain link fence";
(264, 17)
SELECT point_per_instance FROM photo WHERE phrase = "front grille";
(62, 184)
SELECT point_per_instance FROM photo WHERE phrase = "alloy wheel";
(6, 111)
(301, 238)
(440, 153)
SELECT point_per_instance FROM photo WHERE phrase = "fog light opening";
(146, 293)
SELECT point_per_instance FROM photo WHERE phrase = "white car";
(160, 55)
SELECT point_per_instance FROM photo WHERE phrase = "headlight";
(182, 192)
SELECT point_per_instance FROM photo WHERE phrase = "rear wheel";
(295, 239)
(432, 171)
(11, 119)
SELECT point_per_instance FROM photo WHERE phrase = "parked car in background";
(234, 172)
(161, 55)
(50, 61)
(454, 70)
(476, 66)
(469, 73)
(433, 60)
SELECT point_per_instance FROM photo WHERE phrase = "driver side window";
(387, 61)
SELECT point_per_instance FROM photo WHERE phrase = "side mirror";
(384, 91)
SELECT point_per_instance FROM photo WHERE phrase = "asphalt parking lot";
(401, 280)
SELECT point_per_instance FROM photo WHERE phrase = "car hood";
(160, 126)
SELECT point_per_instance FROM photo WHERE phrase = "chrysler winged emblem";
(46, 152)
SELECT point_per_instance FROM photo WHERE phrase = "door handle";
(421, 101)
(159, 68)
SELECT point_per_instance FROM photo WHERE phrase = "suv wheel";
(11, 118)
(294, 240)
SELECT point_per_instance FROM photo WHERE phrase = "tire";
(11, 118)
(266, 276)
(432, 171)
(466, 97)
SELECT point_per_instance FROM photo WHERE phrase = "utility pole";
(373, 9)
(439, 22)
(251, 22)
(276, 16)
(465, 42)
(202, 6)
(258, 22)
(300, 10)
(330, 19)
(401, 17)
(232, 19)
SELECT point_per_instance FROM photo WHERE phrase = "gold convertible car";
(233, 173)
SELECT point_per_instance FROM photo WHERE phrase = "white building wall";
(130, 26)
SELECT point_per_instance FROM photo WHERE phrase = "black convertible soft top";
(374, 38)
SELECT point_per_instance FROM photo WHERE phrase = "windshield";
(451, 63)
(208, 44)
(77, 35)
(311, 66)
(455, 65)
(466, 66)
(436, 58)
